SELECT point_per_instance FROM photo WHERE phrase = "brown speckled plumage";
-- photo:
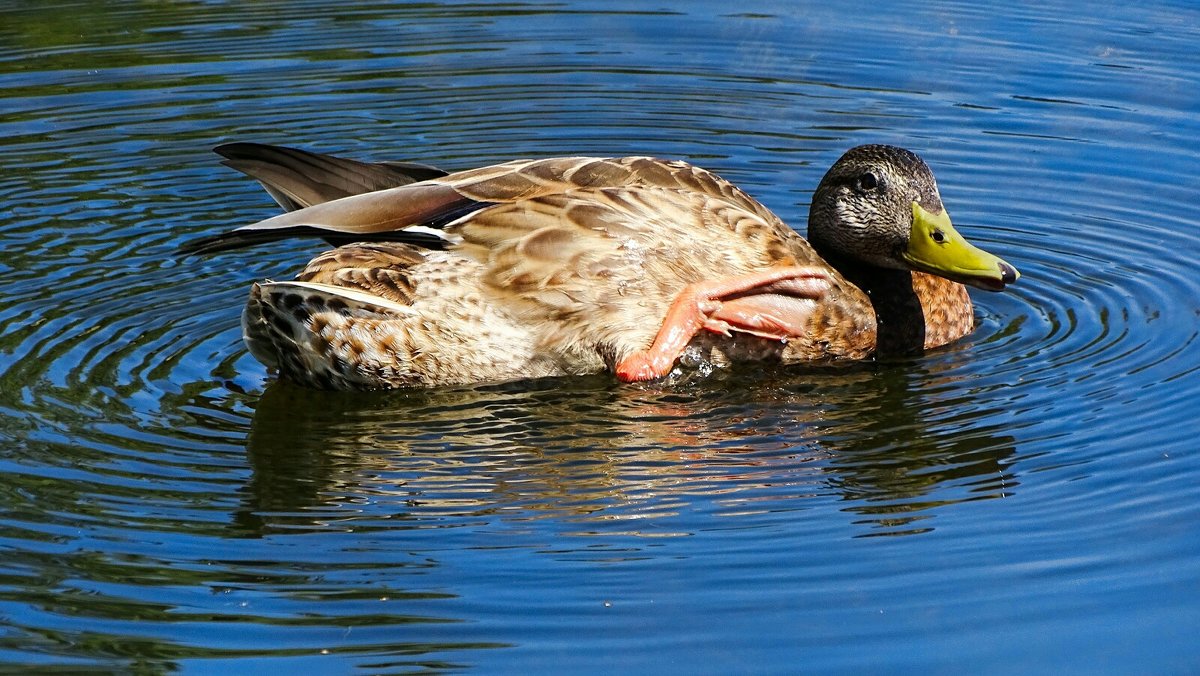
(549, 267)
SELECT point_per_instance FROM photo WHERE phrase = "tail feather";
(299, 178)
(426, 238)
(302, 330)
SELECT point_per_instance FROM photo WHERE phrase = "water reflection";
(880, 438)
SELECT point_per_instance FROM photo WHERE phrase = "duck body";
(561, 266)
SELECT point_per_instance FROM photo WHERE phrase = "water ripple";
(165, 501)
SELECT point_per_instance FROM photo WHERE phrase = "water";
(1025, 500)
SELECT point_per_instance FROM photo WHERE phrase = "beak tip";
(1008, 274)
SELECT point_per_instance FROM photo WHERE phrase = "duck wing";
(416, 213)
(597, 269)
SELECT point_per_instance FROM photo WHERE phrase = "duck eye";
(938, 236)
(868, 181)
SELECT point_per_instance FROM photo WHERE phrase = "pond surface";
(1025, 500)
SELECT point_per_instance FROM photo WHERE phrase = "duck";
(581, 265)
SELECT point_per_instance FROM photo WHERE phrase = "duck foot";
(763, 304)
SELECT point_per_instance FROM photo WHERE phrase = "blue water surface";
(1024, 501)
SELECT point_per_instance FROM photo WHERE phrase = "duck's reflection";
(894, 443)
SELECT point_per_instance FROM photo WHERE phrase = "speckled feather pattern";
(945, 308)
(567, 266)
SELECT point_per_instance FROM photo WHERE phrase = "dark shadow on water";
(904, 452)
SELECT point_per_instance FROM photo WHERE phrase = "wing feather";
(436, 212)
(298, 178)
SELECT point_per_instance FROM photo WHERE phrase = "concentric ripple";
(166, 505)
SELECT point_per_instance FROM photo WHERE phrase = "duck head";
(879, 205)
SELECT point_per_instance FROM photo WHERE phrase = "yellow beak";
(936, 247)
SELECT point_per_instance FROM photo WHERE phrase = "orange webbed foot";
(642, 365)
(762, 304)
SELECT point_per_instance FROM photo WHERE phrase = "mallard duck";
(580, 265)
